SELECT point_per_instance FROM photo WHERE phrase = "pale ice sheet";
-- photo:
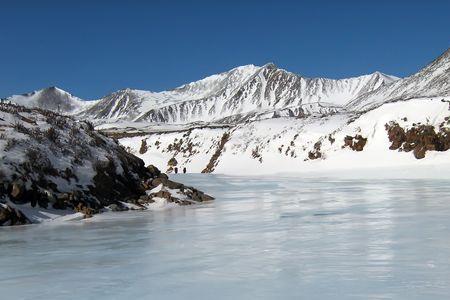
(270, 237)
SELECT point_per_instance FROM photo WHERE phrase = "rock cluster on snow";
(420, 138)
(355, 143)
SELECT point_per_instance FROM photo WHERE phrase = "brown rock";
(419, 152)
(154, 171)
(17, 189)
(172, 162)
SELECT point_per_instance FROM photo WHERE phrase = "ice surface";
(262, 238)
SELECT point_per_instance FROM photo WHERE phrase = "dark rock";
(172, 162)
(419, 139)
(10, 216)
(355, 143)
(86, 210)
(315, 153)
(144, 147)
(118, 207)
(154, 171)
(17, 189)
(419, 152)
(162, 194)
(359, 144)
(163, 176)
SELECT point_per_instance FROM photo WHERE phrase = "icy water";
(263, 238)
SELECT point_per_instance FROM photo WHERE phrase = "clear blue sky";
(92, 48)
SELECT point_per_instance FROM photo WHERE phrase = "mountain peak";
(269, 65)
(54, 89)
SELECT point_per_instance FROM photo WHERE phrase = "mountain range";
(233, 95)
(265, 119)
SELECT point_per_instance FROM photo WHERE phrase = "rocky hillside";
(51, 163)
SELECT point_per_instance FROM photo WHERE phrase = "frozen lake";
(263, 238)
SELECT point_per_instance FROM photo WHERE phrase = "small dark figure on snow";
(176, 170)
(184, 170)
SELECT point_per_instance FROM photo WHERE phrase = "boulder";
(355, 143)
(419, 151)
(154, 171)
(172, 162)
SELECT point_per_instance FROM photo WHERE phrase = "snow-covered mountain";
(432, 81)
(52, 98)
(232, 95)
(273, 125)
(243, 93)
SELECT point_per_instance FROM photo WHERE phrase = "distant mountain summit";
(51, 98)
(246, 90)
(249, 92)
(431, 81)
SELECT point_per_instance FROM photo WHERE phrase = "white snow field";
(268, 237)
(282, 145)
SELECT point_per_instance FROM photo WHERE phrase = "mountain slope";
(129, 104)
(432, 81)
(341, 141)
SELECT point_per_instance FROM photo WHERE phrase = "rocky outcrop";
(144, 147)
(315, 153)
(356, 143)
(51, 161)
(214, 159)
(172, 192)
(172, 162)
(420, 138)
(10, 216)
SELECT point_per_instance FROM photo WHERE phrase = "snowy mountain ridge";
(234, 95)
(431, 81)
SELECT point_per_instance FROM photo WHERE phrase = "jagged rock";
(419, 138)
(144, 147)
(360, 143)
(214, 159)
(166, 182)
(172, 162)
(397, 136)
(87, 211)
(10, 216)
(315, 154)
(355, 143)
(419, 151)
(348, 141)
